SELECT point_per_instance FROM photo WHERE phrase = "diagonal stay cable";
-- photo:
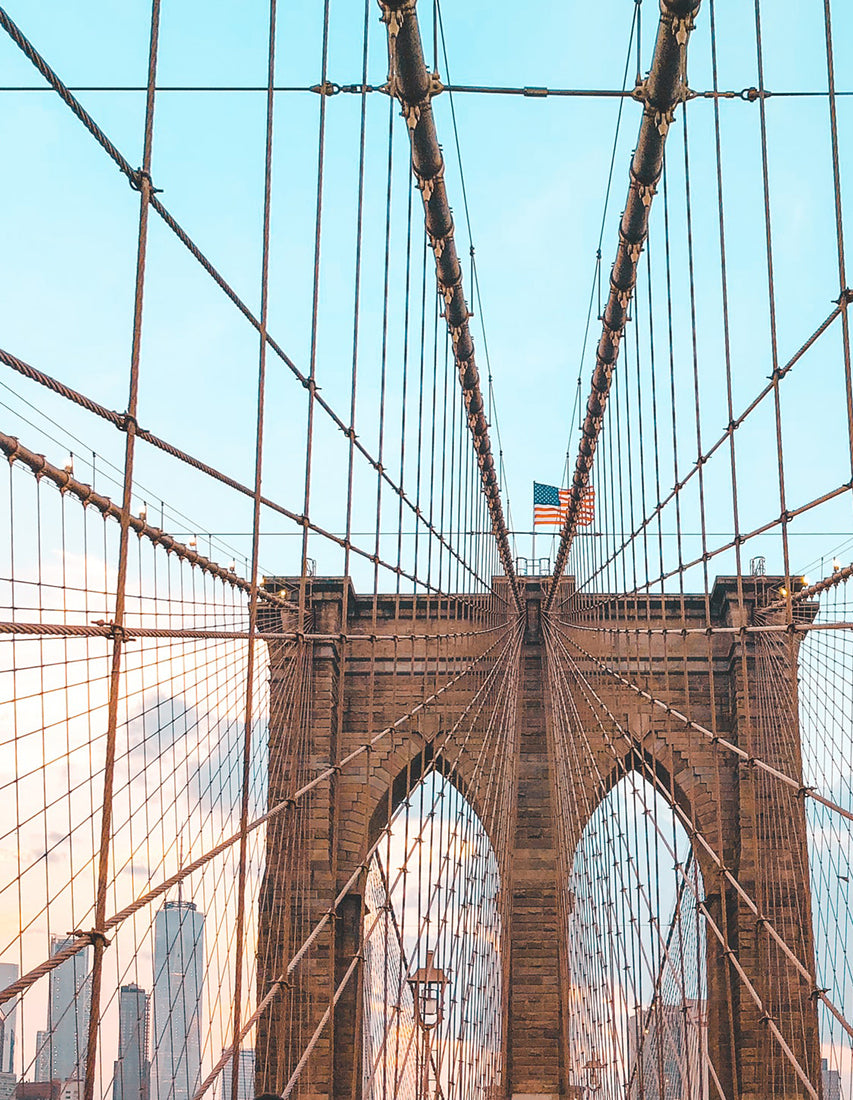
(696, 835)
(83, 938)
(170, 449)
(800, 789)
(137, 180)
(664, 89)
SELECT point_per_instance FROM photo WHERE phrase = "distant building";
(245, 1077)
(831, 1081)
(39, 1090)
(61, 1047)
(132, 1070)
(8, 974)
(177, 1001)
(42, 1067)
(666, 1052)
(71, 1089)
(8, 1084)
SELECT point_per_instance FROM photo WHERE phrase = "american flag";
(550, 505)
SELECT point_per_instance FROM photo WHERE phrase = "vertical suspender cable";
(143, 184)
(251, 654)
(410, 82)
(661, 93)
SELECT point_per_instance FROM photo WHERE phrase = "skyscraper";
(8, 974)
(131, 1071)
(667, 1049)
(42, 1070)
(62, 1054)
(245, 1076)
(178, 980)
(831, 1081)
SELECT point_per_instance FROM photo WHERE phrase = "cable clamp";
(139, 177)
(411, 112)
(437, 244)
(803, 790)
(426, 186)
(750, 95)
(638, 92)
(94, 935)
(681, 28)
(125, 420)
(662, 120)
(328, 87)
(845, 297)
(817, 993)
(117, 633)
(646, 191)
(394, 19)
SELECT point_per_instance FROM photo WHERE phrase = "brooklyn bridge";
(333, 765)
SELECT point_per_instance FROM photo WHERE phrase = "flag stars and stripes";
(551, 504)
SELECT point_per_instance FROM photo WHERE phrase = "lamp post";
(427, 985)
(593, 1069)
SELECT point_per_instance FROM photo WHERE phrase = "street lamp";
(427, 985)
(593, 1069)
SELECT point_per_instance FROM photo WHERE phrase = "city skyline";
(158, 1044)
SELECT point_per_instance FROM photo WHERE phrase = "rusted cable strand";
(738, 540)
(363, 867)
(528, 91)
(663, 90)
(707, 631)
(414, 87)
(135, 179)
(66, 483)
(98, 630)
(707, 455)
(35, 375)
(84, 938)
(835, 578)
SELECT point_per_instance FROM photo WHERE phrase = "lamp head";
(427, 985)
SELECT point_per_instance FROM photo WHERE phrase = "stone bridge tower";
(351, 684)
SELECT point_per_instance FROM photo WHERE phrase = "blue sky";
(535, 174)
